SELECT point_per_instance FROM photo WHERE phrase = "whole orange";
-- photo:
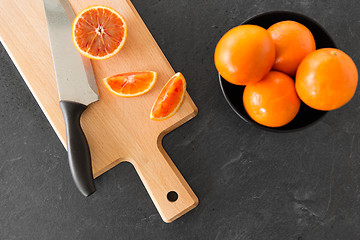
(293, 41)
(326, 79)
(273, 101)
(245, 54)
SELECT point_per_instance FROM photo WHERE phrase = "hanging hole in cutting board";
(172, 196)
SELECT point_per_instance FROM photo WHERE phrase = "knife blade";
(77, 89)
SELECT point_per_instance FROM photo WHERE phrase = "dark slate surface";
(251, 184)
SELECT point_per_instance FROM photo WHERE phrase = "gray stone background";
(251, 184)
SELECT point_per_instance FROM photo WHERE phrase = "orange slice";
(99, 32)
(170, 98)
(131, 84)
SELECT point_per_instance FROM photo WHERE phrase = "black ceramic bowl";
(234, 94)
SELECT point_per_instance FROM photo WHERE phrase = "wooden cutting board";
(117, 129)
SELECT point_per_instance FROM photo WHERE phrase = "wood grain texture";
(117, 129)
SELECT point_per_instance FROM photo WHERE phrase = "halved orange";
(99, 32)
(131, 84)
(170, 98)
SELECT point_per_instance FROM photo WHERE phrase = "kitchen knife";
(77, 89)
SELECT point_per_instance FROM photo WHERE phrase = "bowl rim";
(251, 121)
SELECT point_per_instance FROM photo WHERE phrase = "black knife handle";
(78, 148)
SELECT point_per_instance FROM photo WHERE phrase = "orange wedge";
(131, 84)
(170, 98)
(99, 32)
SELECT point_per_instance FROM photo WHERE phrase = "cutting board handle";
(166, 186)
